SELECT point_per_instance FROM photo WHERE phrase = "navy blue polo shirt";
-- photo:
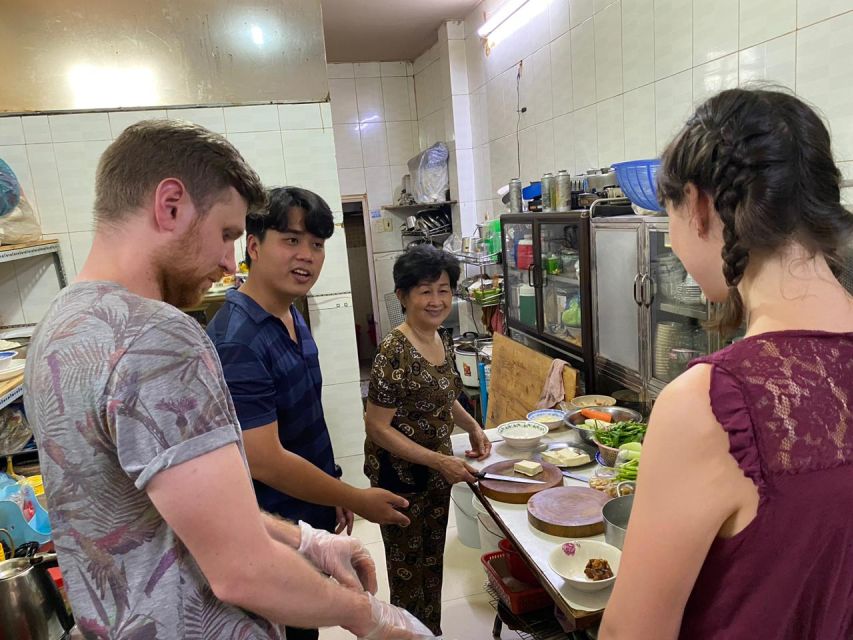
(272, 378)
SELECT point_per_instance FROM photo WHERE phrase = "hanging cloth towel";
(554, 391)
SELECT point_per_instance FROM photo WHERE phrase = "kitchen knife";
(495, 476)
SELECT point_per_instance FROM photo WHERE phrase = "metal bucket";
(616, 515)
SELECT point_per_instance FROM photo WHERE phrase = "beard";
(178, 274)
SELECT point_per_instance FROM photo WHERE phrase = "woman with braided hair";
(741, 525)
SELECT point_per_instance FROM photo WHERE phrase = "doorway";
(359, 257)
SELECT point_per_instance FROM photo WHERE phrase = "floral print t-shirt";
(119, 388)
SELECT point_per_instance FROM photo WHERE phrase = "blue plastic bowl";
(638, 181)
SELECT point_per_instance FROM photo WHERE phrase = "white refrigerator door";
(383, 269)
(333, 328)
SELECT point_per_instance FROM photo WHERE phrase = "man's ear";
(169, 197)
(252, 246)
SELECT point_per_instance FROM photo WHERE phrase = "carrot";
(592, 414)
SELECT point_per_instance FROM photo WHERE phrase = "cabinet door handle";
(647, 288)
(637, 292)
(530, 281)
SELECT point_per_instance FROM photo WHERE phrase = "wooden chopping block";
(518, 375)
(568, 512)
(516, 492)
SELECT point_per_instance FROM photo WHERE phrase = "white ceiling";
(385, 30)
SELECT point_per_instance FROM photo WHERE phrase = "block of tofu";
(527, 468)
(568, 457)
(553, 457)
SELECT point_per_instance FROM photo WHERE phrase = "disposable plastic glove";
(342, 557)
(393, 623)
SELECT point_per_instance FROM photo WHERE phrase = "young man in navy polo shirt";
(273, 373)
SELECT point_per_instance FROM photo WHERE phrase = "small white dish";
(522, 434)
(569, 560)
(15, 369)
(6, 359)
(551, 418)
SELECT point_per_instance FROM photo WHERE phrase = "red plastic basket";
(519, 597)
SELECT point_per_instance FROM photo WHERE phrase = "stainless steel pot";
(616, 514)
(30, 605)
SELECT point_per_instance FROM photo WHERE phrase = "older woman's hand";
(455, 469)
(481, 448)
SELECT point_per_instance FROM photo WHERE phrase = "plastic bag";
(21, 225)
(10, 189)
(430, 177)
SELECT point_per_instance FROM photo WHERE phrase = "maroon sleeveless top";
(786, 401)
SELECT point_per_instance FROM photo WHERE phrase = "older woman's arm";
(481, 448)
(380, 431)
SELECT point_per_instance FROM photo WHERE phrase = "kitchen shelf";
(417, 207)
(12, 252)
(686, 310)
(478, 260)
(11, 390)
(537, 625)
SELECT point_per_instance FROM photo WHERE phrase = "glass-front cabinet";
(547, 274)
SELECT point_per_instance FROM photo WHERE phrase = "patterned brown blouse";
(423, 395)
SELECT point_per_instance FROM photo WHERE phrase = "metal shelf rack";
(538, 625)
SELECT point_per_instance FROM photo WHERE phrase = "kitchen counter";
(583, 608)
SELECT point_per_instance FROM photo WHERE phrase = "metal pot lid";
(14, 568)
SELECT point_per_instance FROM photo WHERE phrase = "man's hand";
(342, 557)
(481, 448)
(381, 506)
(344, 519)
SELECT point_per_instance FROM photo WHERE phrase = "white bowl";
(551, 418)
(6, 359)
(522, 434)
(571, 567)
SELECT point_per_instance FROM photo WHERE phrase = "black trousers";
(292, 633)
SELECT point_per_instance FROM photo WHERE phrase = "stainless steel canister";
(548, 192)
(564, 191)
(515, 201)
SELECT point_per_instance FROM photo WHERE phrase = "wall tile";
(413, 102)
(348, 146)
(77, 162)
(713, 77)
(762, 20)
(65, 252)
(715, 29)
(346, 425)
(639, 117)
(396, 172)
(340, 71)
(51, 206)
(586, 139)
(326, 114)
(811, 11)
(374, 144)
(580, 11)
(673, 36)
(334, 278)
(611, 131)
(458, 67)
(262, 117)
(673, 105)
(344, 105)
(826, 83)
(352, 181)
(462, 128)
(773, 61)
(400, 146)
(334, 331)
(368, 93)
(583, 64)
(564, 143)
(309, 156)
(482, 172)
(367, 69)
(475, 59)
(11, 130)
(81, 244)
(393, 69)
(503, 159)
(638, 53)
(121, 120)
(560, 15)
(212, 118)
(300, 116)
(561, 75)
(529, 155)
(536, 88)
(464, 161)
(36, 129)
(79, 127)
(608, 51)
(264, 154)
(395, 97)
(378, 182)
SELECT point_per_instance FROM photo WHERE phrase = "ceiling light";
(257, 35)
(500, 16)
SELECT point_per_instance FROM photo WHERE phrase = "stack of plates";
(689, 292)
(16, 368)
(670, 275)
(669, 336)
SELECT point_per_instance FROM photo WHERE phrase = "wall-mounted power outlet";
(387, 224)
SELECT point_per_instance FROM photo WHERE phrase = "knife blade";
(495, 476)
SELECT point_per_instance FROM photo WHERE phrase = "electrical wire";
(519, 111)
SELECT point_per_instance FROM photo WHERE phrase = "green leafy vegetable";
(621, 433)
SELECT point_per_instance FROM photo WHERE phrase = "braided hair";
(765, 159)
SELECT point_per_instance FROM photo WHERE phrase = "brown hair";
(150, 151)
(764, 158)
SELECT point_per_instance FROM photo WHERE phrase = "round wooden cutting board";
(568, 512)
(516, 492)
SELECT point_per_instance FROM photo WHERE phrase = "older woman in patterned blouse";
(411, 411)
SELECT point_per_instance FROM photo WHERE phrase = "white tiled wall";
(622, 76)
(55, 158)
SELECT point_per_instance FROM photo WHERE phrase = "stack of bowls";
(670, 275)
(689, 292)
(669, 336)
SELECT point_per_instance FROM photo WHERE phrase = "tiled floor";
(466, 612)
